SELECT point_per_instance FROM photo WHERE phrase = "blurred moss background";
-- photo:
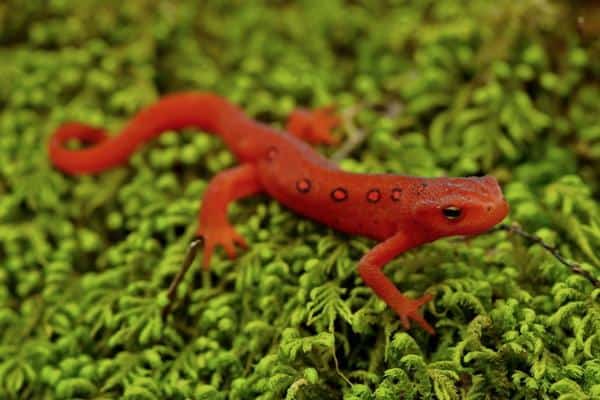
(442, 87)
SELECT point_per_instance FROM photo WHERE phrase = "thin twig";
(355, 139)
(190, 256)
(575, 267)
(356, 135)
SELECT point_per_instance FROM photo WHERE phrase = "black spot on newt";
(373, 195)
(396, 194)
(272, 153)
(339, 194)
(303, 185)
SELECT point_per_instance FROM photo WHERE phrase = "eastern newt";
(401, 212)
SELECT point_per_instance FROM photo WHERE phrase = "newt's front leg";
(369, 269)
(214, 227)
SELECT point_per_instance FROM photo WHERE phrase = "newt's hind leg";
(313, 126)
(214, 227)
(215, 230)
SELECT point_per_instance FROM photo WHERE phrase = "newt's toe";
(225, 237)
(410, 310)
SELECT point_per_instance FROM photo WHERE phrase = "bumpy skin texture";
(401, 212)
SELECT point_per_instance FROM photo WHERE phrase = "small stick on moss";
(357, 136)
(190, 256)
(575, 267)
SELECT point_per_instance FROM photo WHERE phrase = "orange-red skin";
(400, 211)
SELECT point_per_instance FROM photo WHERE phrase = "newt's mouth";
(497, 208)
(495, 213)
(493, 210)
(500, 211)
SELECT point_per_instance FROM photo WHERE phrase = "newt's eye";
(451, 212)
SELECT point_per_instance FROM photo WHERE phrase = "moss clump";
(440, 87)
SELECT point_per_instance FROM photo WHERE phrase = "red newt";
(401, 212)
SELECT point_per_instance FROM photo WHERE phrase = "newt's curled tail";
(199, 110)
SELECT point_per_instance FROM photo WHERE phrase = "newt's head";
(459, 206)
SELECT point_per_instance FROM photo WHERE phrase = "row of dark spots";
(340, 194)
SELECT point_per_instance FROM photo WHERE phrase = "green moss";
(439, 87)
